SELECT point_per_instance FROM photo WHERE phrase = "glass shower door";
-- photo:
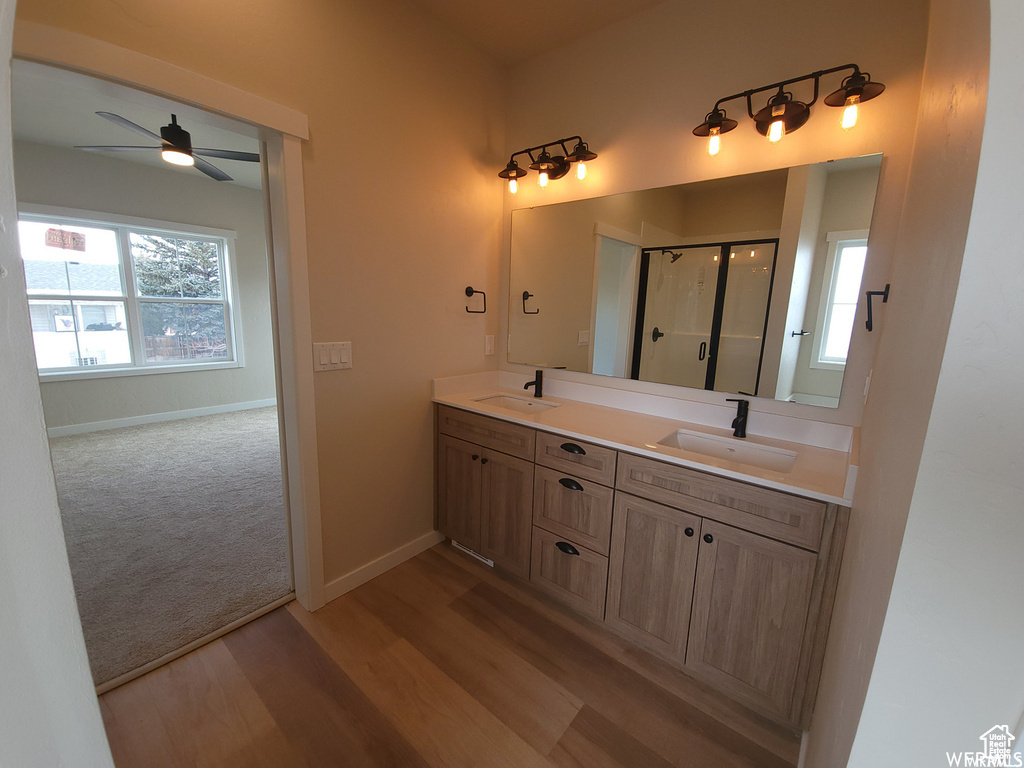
(744, 318)
(679, 309)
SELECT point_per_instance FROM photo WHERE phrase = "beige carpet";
(173, 530)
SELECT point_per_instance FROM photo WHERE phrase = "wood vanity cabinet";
(731, 582)
(485, 496)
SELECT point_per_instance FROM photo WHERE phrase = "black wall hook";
(885, 300)
(528, 295)
(470, 292)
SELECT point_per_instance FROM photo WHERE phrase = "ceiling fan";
(175, 145)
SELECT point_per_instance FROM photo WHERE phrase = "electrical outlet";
(332, 356)
(488, 345)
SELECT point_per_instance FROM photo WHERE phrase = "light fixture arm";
(542, 147)
(815, 76)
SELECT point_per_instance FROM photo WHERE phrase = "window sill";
(109, 373)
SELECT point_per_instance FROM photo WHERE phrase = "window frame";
(836, 240)
(123, 225)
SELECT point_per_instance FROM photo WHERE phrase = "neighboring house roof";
(52, 277)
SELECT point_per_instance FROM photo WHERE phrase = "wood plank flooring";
(439, 662)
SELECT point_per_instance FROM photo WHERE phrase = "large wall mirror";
(747, 285)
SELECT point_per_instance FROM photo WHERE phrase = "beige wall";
(930, 249)
(639, 87)
(48, 710)
(949, 659)
(402, 212)
(107, 185)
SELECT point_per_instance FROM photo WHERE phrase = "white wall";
(929, 249)
(640, 86)
(949, 663)
(402, 213)
(48, 710)
(47, 175)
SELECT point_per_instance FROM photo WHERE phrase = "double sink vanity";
(720, 555)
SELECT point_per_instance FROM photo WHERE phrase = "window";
(844, 267)
(113, 298)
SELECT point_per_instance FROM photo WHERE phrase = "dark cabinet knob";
(573, 449)
(476, 456)
(688, 531)
(483, 461)
(708, 538)
(567, 548)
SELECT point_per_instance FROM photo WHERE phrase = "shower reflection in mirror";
(752, 281)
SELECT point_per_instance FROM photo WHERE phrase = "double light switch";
(332, 356)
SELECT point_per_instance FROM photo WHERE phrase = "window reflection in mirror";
(623, 288)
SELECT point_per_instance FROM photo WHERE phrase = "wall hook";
(470, 292)
(528, 295)
(885, 299)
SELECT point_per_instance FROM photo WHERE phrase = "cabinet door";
(650, 578)
(458, 491)
(506, 515)
(750, 606)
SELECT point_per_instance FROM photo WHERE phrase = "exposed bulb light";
(777, 129)
(176, 157)
(513, 186)
(549, 166)
(543, 180)
(581, 171)
(732, 255)
(850, 112)
(714, 141)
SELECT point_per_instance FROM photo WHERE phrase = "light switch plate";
(583, 339)
(488, 345)
(332, 356)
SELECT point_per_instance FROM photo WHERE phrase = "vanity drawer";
(578, 580)
(776, 514)
(503, 436)
(594, 462)
(573, 507)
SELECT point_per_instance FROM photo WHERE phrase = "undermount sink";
(732, 449)
(519, 404)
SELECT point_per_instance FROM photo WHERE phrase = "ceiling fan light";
(177, 157)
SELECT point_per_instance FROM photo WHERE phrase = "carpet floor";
(173, 530)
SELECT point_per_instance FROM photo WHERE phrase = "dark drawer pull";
(571, 484)
(573, 449)
(708, 538)
(688, 531)
(567, 548)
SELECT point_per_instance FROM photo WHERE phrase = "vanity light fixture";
(549, 166)
(784, 114)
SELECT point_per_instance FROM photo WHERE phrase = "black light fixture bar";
(782, 108)
(551, 166)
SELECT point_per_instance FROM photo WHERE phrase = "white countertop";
(821, 473)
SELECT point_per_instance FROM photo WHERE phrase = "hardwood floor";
(438, 662)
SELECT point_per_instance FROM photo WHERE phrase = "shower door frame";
(725, 246)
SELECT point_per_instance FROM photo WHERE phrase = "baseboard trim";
(371, 570)
(152, 418)
(127, 677)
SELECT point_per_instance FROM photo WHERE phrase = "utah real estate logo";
(997, 752)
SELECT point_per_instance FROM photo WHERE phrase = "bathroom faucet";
(537, 384)
(739, 424)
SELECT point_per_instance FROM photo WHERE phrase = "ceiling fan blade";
(126, 123)
(211, 170)
(228, 154)
(117, 149)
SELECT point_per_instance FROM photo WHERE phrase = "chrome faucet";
(537, 384)
(739, 424)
